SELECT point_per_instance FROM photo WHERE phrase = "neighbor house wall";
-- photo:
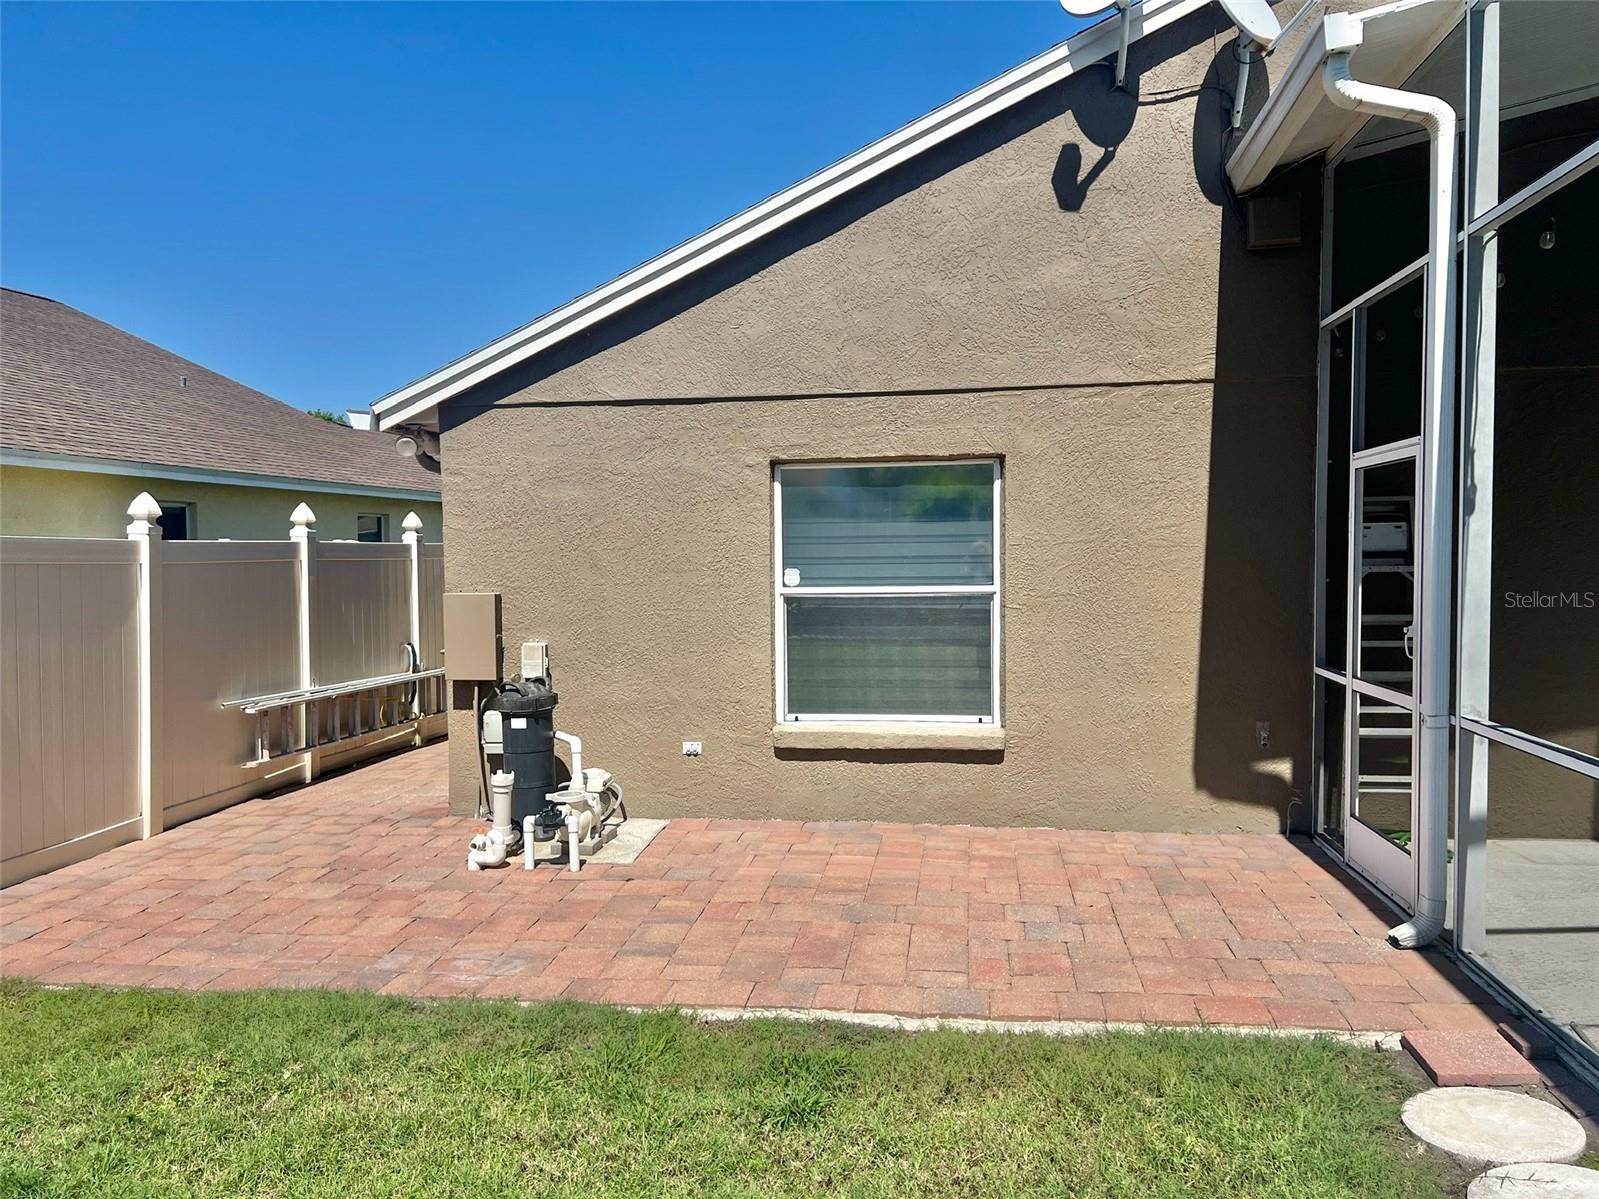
(37, 502)
(1064, 287)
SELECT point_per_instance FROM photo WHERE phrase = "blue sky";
(327, 200)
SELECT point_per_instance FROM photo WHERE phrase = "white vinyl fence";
(148, 682)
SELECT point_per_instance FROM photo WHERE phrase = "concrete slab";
(1478, 1058)
(1482, 1127)
(633, 836)
(1538, 1180)
(1543, 925)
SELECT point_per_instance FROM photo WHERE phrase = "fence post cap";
(143, 514)
(144, 507)
(412, 523)
(302, 515)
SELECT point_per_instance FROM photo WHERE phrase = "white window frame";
(781, 593)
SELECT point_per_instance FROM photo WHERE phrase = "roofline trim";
(1090, 45)
(41, 460)
(1299, 94)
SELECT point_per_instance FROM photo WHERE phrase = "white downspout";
(1437, 467)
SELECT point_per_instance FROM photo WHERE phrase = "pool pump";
(533, 814)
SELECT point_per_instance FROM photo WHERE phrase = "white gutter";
(1343, 34)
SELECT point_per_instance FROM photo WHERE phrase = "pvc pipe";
(1437, 468)
(572, 851)
(500, 802)
(527, 842)
(575, 744)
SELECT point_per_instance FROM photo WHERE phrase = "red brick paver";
(359, 882)
(1470, 1059)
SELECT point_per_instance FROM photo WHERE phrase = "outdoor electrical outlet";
(1262, 734)
(691, 749)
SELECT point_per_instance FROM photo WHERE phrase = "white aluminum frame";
(780, 594)
(1484, 213)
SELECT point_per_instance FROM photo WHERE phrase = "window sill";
(974, 738)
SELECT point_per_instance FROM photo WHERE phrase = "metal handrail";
(287, 699)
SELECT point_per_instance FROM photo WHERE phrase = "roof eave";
(1299, 95)
(1287, 109)
(84, 464)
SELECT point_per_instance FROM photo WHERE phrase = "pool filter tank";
(526, 713)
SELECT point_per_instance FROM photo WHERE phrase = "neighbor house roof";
(417, 402)
(78, 393)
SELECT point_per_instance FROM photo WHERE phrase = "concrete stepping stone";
(1481, 1127)
(1535, 1180)
(1469, 1059)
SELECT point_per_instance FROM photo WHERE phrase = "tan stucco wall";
(1157, 442)
(63, 503)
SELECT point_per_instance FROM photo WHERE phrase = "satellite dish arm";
(1125, 9)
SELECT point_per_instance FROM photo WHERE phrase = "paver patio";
(359, 881)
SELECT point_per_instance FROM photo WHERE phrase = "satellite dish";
(1254, 18)
(1087, 8)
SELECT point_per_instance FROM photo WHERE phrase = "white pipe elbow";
(575, 744)
(1344, 90)
(1413, 934)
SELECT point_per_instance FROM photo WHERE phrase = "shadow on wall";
(1257, 613)
(1105, 114)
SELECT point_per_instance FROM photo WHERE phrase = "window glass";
(888, 525)
(369, 526)
(175, 522)
(890, 656)
(913, 547)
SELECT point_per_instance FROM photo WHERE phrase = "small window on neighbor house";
(176, 521)
(371, 526)
(888, 591)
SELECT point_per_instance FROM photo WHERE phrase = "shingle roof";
(71, 384)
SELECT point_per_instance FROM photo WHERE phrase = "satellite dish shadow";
(1213, 133)
(1104, 116)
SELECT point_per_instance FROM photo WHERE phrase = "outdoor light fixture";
(1546, 239)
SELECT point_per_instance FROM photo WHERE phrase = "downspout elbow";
(1413, 934)
(1343, 89)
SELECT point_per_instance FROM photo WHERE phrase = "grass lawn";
(140, 1093)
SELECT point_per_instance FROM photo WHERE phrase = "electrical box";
(1274, 222)
(472, 635)
(536, 660)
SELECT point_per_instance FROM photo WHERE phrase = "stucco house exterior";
(90, 416)
(1092, 456)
